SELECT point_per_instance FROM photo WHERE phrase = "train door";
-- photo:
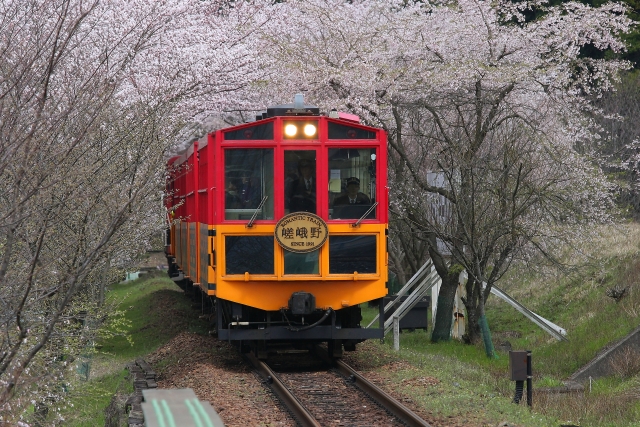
(300, 195)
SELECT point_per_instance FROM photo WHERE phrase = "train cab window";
(352, 253)
(248, 179)
(352, 182)
(300, 181)
(252, 254)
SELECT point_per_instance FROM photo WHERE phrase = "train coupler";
(302, 303)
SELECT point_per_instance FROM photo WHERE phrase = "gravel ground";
(217, 374)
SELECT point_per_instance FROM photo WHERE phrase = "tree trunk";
(471, 302)
(444, 312)
(104, 282)
(477, 325)
(473, 333)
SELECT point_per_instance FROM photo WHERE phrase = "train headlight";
(309, 129)
(300, 129)
(290, 130)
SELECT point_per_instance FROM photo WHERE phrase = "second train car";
(280, 225)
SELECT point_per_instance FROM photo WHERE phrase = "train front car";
(289, 218)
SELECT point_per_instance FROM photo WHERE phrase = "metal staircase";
(421, 282)
(425, 279)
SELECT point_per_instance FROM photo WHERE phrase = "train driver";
(352, 204)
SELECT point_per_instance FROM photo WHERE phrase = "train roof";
(298, 108)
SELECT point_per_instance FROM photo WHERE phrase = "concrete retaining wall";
(601, 366)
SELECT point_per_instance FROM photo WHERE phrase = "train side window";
(301, 263)
(352, 253)
(352, 182)
(252, 254)
(248, 178)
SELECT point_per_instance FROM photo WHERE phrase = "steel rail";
(396, 408)
(298, 410)
(400, 411)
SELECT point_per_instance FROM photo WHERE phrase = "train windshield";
(248, 178)
(352, 182)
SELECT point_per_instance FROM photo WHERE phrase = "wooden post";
(396, 333)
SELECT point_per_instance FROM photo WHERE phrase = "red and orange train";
(281, 226)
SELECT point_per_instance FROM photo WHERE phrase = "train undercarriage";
(297, 326)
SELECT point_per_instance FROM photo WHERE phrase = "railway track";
(320, 392)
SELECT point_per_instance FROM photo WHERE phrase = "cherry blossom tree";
(621, 140)
(93, 94)
(487, 115)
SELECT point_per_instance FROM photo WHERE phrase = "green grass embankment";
(452, 381)
(156, 311)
